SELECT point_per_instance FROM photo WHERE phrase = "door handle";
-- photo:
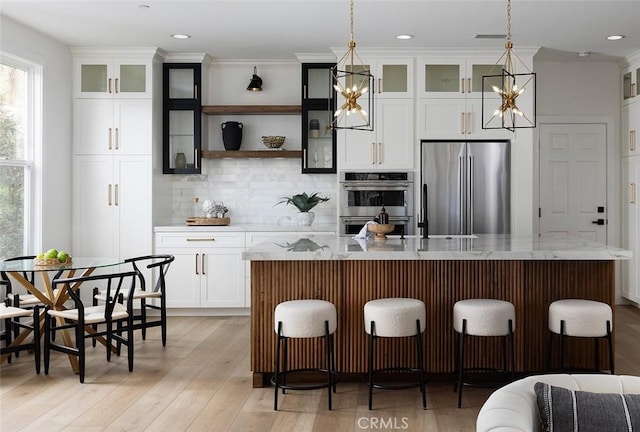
(373, 153)
(109, 194)
(116, 85)
(598, 222)
(117, 138)
(109, 142)
(109, 85)
(462, 128)
(379, 152)
(468, 85)
(116, 194)
(202, 263)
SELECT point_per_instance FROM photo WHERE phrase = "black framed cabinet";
(318, 137)
(182, 118)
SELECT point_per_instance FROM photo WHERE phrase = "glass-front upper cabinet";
(630, 80)
(182, 118)
(108, 77)
(455, 78)
(318, 137)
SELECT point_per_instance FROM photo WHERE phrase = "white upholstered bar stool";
(580, 318)
(483, 317)
(395, 317)
(304, 319)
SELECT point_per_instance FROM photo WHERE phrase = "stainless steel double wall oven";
(363, 194)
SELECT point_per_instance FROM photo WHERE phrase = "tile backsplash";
(250, 188)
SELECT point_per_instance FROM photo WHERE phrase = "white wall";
(55, 171)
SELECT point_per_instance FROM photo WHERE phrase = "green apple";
(51, 253)
(62, 256)
(40, 255)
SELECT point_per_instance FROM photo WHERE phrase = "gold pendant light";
(352, 80)
(509, 85)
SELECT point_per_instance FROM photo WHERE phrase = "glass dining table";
(43, 290)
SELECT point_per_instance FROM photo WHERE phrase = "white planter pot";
(305, 218)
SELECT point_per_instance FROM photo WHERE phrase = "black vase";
(232, 135)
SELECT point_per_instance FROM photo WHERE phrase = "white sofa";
(514, 407)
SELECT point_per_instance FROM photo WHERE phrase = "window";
(17, 138)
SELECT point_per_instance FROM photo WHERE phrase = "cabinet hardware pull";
(196, 160)
(462, 123)
(304, 159)
(379, 153)
(632, 140)
(202, 263)
(201, 239)
(109, 194)
(379, 85)
(109, 142)
(461, 85)
(373, 153)
(197, 263)
(633, 193)
(117, 138)
(633, 90)
(468, 85)
(109, 85)
(116, 86)
(116, 194)
(304, 91)
(467, 126)
(195, 91)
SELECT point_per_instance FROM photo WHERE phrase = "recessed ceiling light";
(405, 36)
(180, 36)
(615, 37)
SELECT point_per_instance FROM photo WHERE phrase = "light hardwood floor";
(201, 382)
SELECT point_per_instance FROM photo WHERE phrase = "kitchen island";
(529, 272)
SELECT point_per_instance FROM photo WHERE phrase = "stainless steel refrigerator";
(466, 187)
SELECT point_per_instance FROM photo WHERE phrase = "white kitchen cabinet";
(388, 146)
(630, 124)
(118, 127)
(112, 206)
(455, 77)
(393, 77)
(208, 271)
(109, 74)
(631, 80)
(630, 233)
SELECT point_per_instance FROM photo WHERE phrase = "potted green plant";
(304, 203)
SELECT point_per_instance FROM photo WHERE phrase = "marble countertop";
(312, 247)
(315, 228)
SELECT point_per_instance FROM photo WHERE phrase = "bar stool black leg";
(371, 347)
(328, 358)
(513, 351)
(285, 363)
(461, 362)
(562, 345)
(610, 340)
(333, 361)
(421, 363)
(277, 372)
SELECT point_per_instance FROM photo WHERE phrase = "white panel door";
(441, 119)
(573, 183)
(93, 126)
(183, 277)
(132, 126)
(223, 276)
(395, 134)
(93, 215)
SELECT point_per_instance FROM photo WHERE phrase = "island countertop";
(283, 247)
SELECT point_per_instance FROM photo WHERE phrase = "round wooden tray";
(50, 262)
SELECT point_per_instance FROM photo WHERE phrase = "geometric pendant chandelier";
(353, 81)
(509, 85)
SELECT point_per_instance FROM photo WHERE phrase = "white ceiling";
(268, 29)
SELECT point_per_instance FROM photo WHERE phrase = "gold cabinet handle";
(195, 91)
(116, 85)
(116, 194)
(117, 138)
(633, 90)
(304, 158)
(304, 91)
(109, 85)
(379, 153)
(373, 153)
(632, 140)
(469, 85)
(462, 129)
(202, 263)
(467, 126)
(379, 85)
(197, 263)
(109, 142)
(461, 85)
(109, 194)
(196, 159)
(200, 239)
(632, 189)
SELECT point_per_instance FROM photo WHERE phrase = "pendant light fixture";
(509, 85)
(256, 81)
(353, 81)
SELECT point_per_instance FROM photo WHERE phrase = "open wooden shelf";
(223, 154)
(251, 109)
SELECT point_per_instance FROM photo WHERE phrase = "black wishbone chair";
(103, 316)
(145, 293)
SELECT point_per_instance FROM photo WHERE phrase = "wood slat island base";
(531, 285)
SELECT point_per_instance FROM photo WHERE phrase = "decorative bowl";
(273, 141)
(51, 262)
(381, 230)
